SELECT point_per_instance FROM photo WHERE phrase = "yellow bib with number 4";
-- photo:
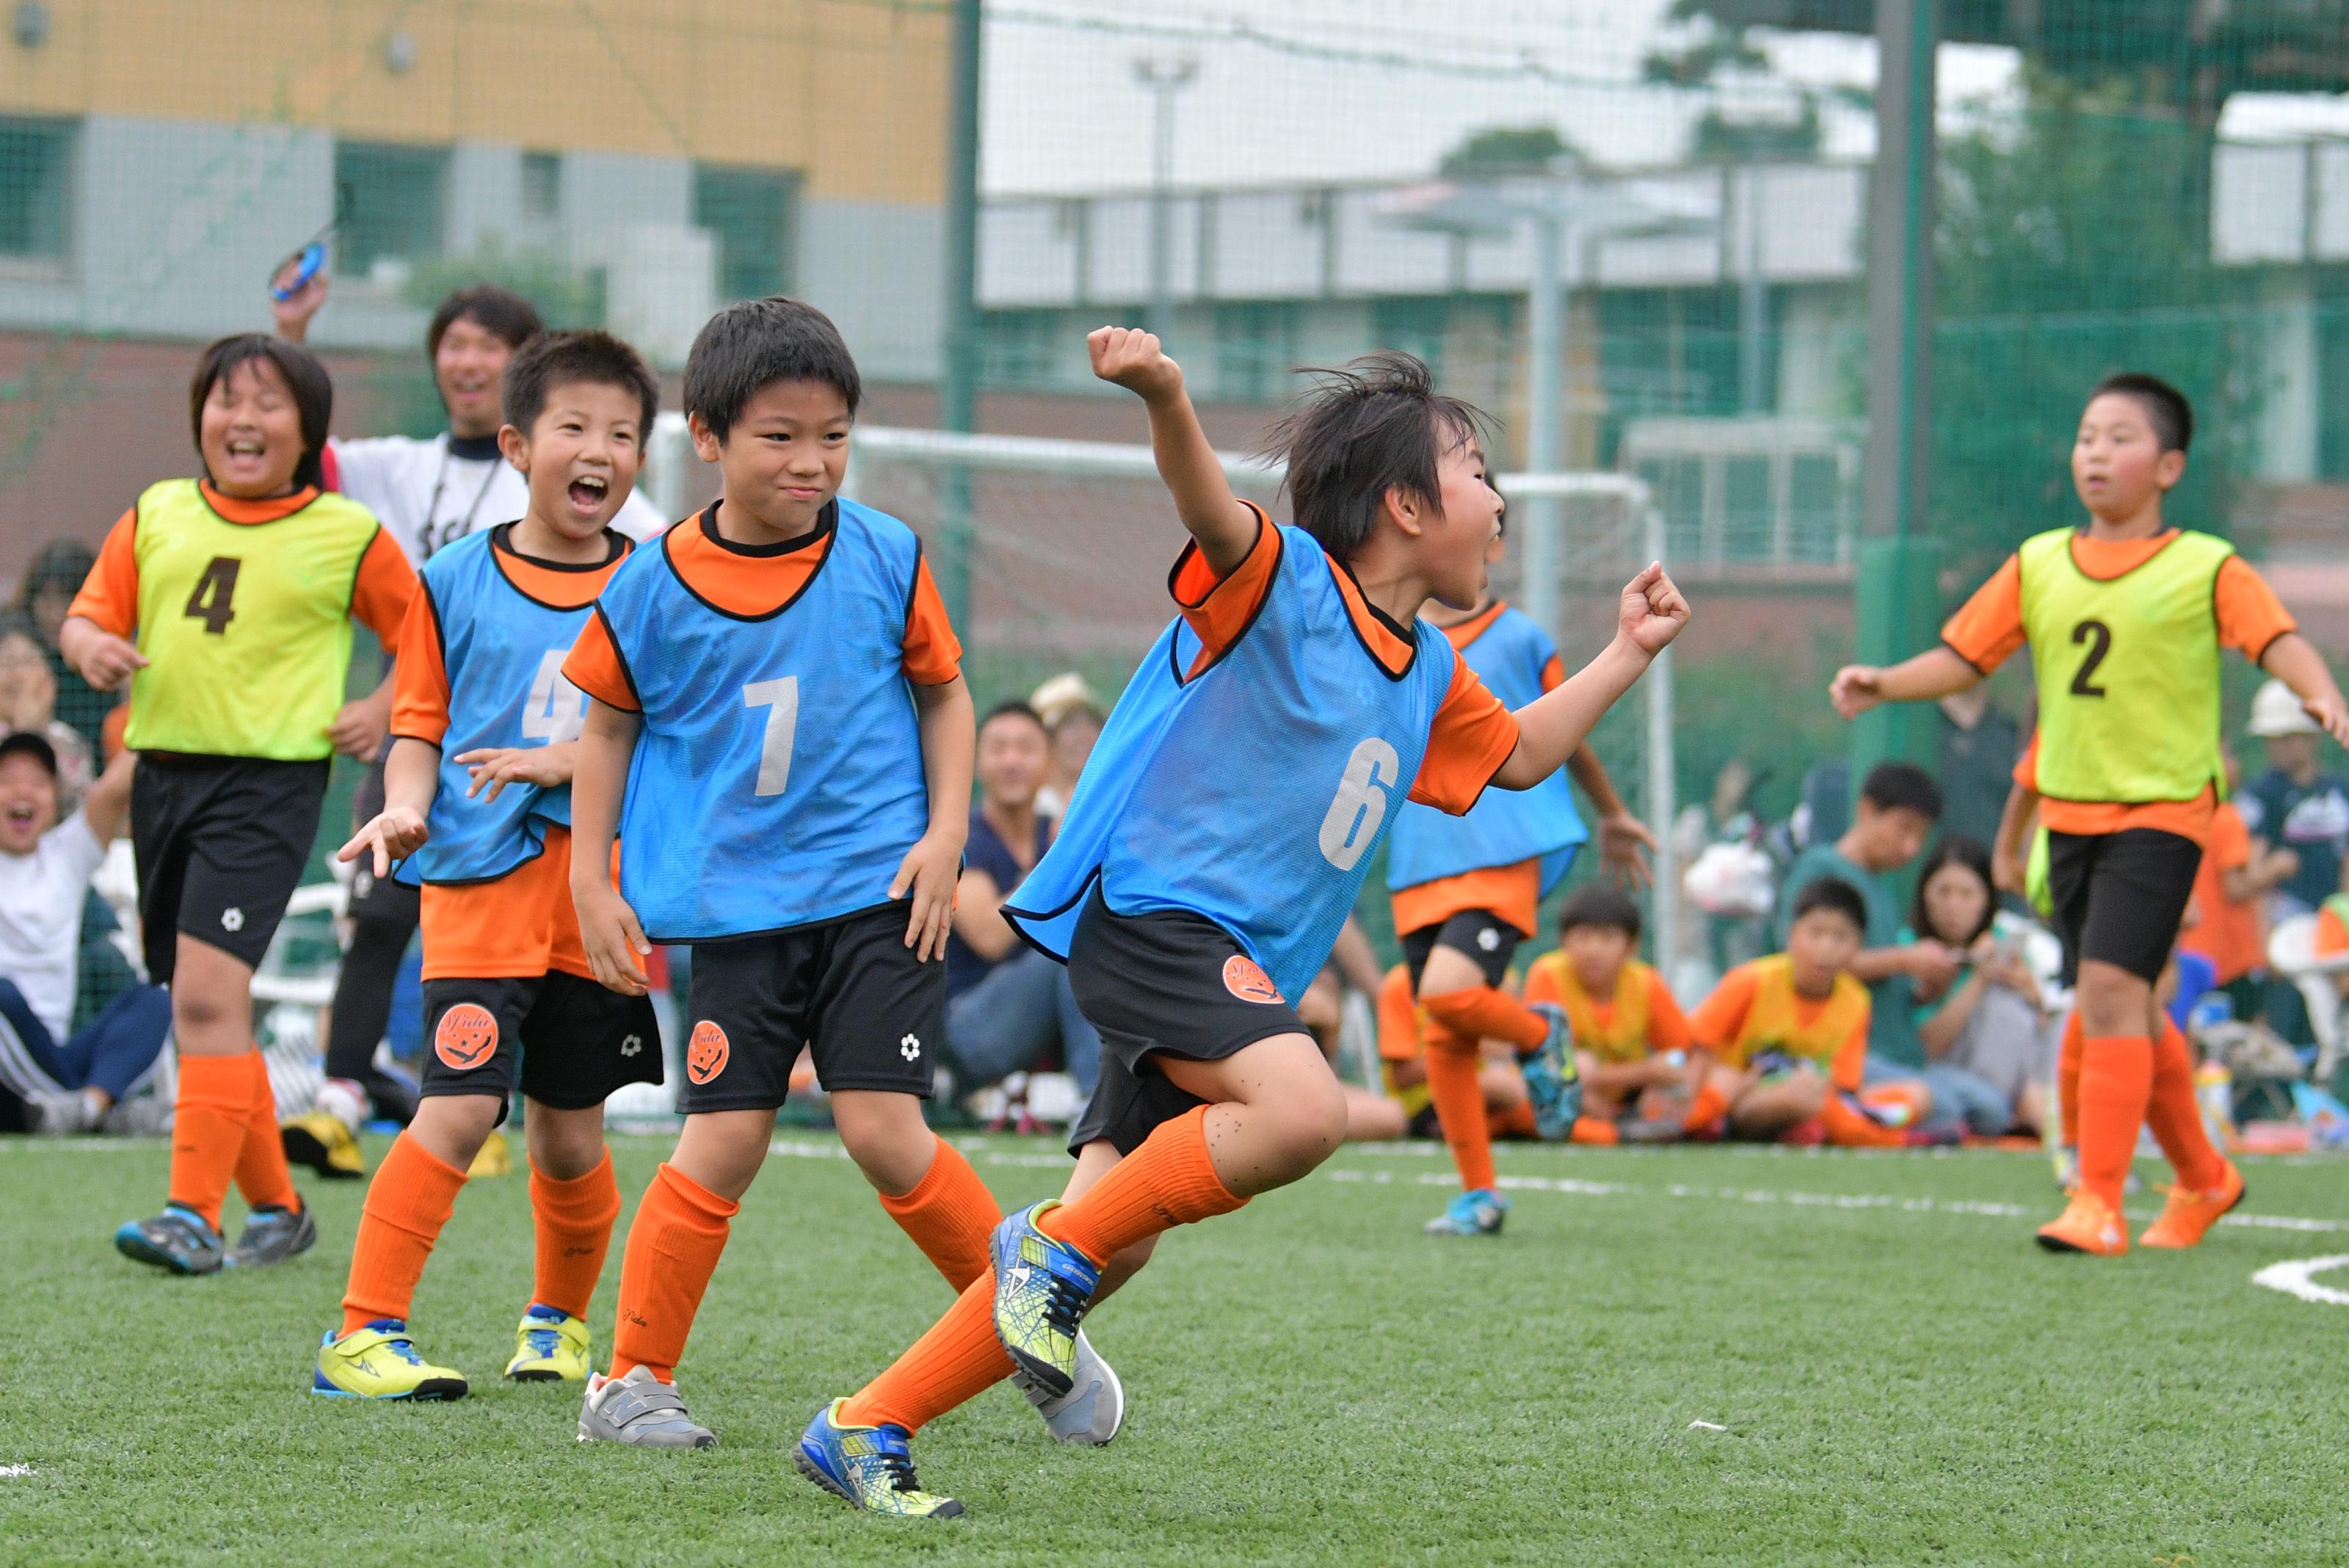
(2127, 670)
(246, 626)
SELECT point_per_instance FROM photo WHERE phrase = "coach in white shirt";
(50, 1081)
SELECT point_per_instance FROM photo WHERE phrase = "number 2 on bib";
(2099, 638)
(1361, 805)
(781, 699)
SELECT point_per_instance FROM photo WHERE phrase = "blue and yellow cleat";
(871, 1467)
(178, 1239)
(378, 1363)
(551, 1346)
(1477, 1213)
(1552, 1081)
(1042, 1291)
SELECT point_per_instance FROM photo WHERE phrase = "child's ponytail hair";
(304, 378)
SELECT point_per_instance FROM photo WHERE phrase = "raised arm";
(1193, 474)
(106, 806)
(1553, 726)
(1934, 673)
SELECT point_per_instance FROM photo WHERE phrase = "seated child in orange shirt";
(1631, 1038)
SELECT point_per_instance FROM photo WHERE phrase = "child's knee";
(564, 1145)
(453, 1127)
(887, 1137)
(1312, 1122)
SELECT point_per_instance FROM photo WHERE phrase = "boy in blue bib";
(1216, 841)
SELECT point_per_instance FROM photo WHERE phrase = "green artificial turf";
(1900, 1376)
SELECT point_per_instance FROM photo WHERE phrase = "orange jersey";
(1640, 1018)
(1988, 630)
(1756, 1007)
(2228, 933)
(515, 927)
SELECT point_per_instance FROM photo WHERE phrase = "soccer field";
(1671, 1356)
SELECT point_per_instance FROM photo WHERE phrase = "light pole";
(1164, 78)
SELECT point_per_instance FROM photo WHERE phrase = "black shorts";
(221, 843)
(1484, 935)
(2120, 897)
(850, 989)
(1170, 982)
(566, 1041)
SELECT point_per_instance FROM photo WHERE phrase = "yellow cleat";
(377, 1361)
(551, 1346)
(496, 1157)
(318, 1139)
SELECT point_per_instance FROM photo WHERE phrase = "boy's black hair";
(554, 359)
(1902, 786)
(747, 347)
(1832, 893)
(1376, 425)
(1012, 707)
(500, 312)
(1957, 849)
(2166, 406)
(59, 564)
(313, 390)
(1600, 904)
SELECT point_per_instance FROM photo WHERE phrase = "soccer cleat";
(495, 1158)
(551, 1346)
(378, 1362)
(2086, 1225)
(2187, 1217)
(1042, 1291)
(62, 1115)
(1477, 1213)
(1092, 1409)
(320, 1140)
(641, 1410)
(1552, 1081)
(178, 1239)
(871, 1467)
(271, 1235)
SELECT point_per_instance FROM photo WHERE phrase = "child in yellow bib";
(2126, 618)
(1631, 1038)
(227, 602)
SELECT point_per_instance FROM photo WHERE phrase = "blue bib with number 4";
(778, 775)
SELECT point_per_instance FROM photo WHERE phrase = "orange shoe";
(2086, 1225)
(2187, 1217)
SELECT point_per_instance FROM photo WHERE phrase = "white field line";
(11, 1472)
(2293, 1279)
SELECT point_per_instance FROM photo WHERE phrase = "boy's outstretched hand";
(2331, 716)
(1652, 612)
(929, 871)
(1855, 689)
(1133, 360)
(396, 834)
(615, 941)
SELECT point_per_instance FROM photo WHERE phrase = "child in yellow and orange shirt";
(1631, 1038)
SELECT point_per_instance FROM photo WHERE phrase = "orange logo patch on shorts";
(705, 1053)
(1246, 979)
(466, 1037)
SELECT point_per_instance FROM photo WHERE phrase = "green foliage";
(1741, 138)
(1505, 150)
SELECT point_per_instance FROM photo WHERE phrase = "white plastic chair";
(2291, 953)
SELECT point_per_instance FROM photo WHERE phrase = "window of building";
(397, 203)
(1256, 349)
(35, 187)
(1017, 346)
(541, 187)
(749, 212)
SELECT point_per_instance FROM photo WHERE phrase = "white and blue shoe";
(1552, 1081)
(1477, 1213)
(871, 1468)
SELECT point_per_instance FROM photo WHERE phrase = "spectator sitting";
(1072, 716)
(50, 1081)
(1007, 1005)
(2230, 897)
(50, 583)
(2295, 805)
(28, 691)
(1629, 1035)
(1988, 1021)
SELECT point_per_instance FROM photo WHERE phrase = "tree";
(1502, 150)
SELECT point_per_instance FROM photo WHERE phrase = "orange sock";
(1591, 1130)
(573, 1224)
(673, 1247)
(2115, 1080)
(1849, 1127)
(208, 1126)
(1706, 1106)
(1170, 1180)
(950, 1214)
(407, 1204)
(261, 1172)
(2176, 1118)
(957, 1361)
(2067, 1083)
(1455, 1085)
(1484, 1011)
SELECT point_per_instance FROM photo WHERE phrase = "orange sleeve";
(1541, 980)
(1220, 609)
(1718, 1018)
(1473, 735)
(2251, 617)
(1987, 628)
(1398, 1017)
(1668, 1026)
(386, 584)
(1851, 1060)
(420, 692)
(595, 666)
(110, 594)
(2230, 845)
(933, 653)
(1553, 673)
